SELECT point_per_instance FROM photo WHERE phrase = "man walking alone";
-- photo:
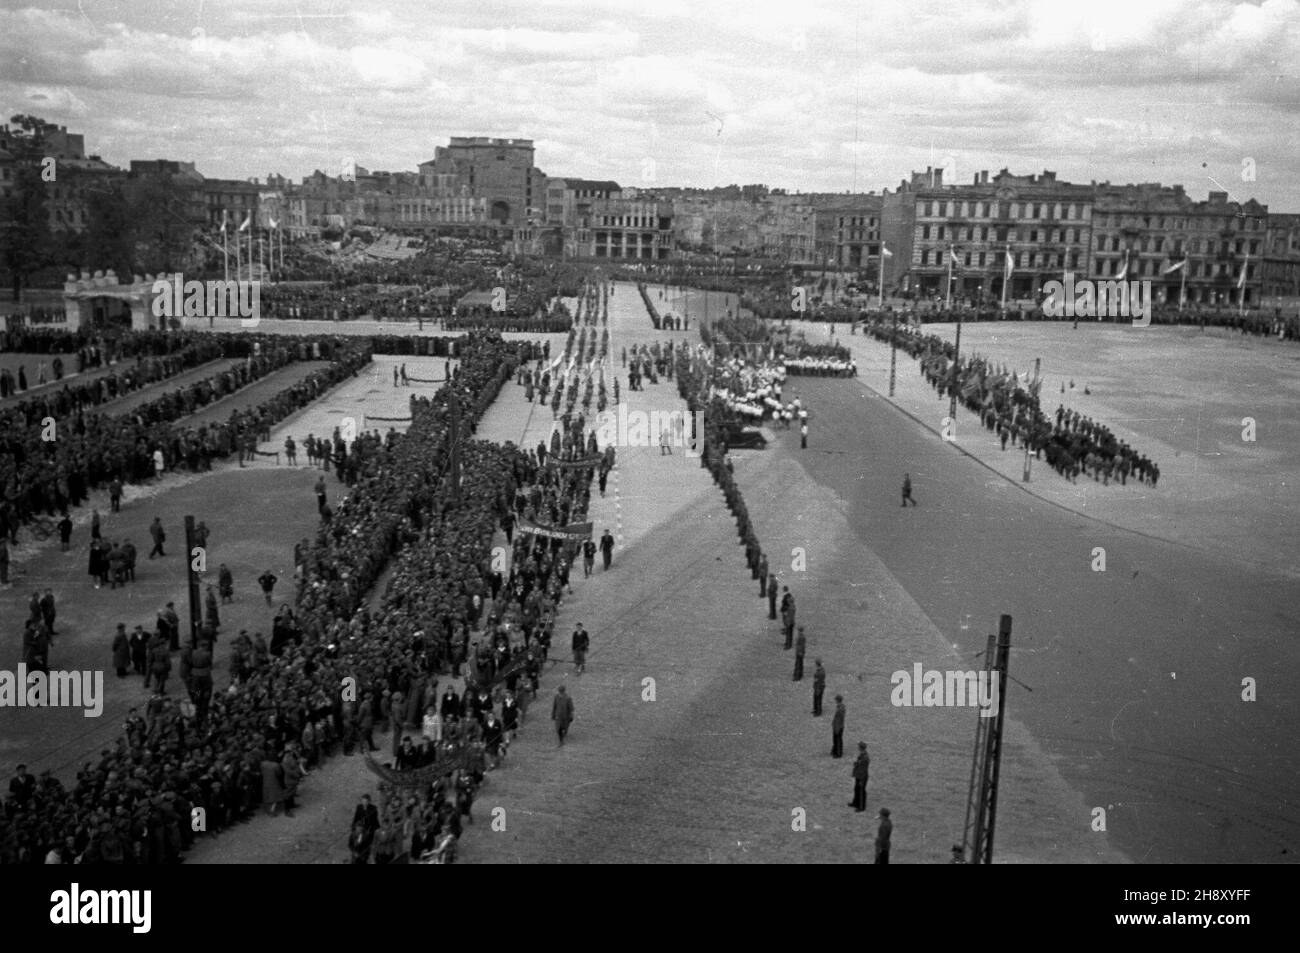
(907, 490)
(837, 728)
(562, 713)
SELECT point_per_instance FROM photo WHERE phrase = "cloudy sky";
(810, 95)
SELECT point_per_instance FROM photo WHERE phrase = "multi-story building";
(231, 200)
(69, 177)
(500, 171)
(789, 231)
(591, 218)
(1280, 278)
(1143, 231)
(183, 177)
(848, 235)
(1040, 223)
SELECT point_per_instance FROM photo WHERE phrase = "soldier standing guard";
(837, 728)
(819, 687)
(882, 836)
(861, 771)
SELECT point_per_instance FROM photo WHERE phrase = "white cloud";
(803, 91)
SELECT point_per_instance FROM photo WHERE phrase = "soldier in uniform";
(787, 615)
(800, 647)
(882, 836)
(837, 728)
(819, 686)
(861, 770)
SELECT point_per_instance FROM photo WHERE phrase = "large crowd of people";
(49, 470)
(246, 748)
(1009, 407)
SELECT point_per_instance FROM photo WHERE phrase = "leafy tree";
(160, 233)
(26, 244)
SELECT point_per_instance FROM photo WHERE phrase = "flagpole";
(239, 270)
(1182, 287)
(1241, 306)
(225, 250)
(948, 304)
(880, 291)
(1006, 278)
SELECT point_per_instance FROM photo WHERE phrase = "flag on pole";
(1241, 279)
(1123, 272)
(248, 220)
(886, 252)
(223, 222)
(273, 223)
(1176, 266)
(956, 262)
(1011, 265)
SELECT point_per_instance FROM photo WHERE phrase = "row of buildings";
(474, 186)
(971, 235)
(933, 234)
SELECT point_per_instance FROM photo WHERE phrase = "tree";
(106, 242)
(160, 235)
(25, 241)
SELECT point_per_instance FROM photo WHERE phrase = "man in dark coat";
(159, 537)
(837, 728)
(787, 615)
(160, 665)
(121, 650)
(771, 596)
(800, 647)
(267, 581)
(366, 814)
(562, 712)
(139, 651)
(607, 548)
(581, 642)
(212, 612)
(819, 686)
(861, 770)
(883, 834)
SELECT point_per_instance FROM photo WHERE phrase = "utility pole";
(192, 579)
(982, 798)
(893, 355)
(956, 359)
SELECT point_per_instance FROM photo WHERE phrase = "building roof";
(593, 185)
